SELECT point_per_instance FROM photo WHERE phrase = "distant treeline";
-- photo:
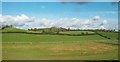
(6, 26)
(64, 29)
(54, 30)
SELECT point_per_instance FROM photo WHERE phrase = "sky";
(60, 0)
(90, 15)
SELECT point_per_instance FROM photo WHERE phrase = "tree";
(86, 33)
(68, 29)
(43, 31)
(35, 29)
(57, 32)
(7, 26)
(82, 33)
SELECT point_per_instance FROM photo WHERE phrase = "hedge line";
(102, 35)
(52, 33)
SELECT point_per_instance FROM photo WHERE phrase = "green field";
(77, 32)
(10, 29)
(24, 46)
(18, 46)
(111, 35)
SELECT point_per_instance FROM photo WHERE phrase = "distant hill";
(12, 29)
(47, 30)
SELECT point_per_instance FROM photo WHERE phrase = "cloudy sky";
(24, 15)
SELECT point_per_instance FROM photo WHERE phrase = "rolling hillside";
(22, 46)
(12, 30)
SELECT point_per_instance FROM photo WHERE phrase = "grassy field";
(16, 37)
(10, 29)
(112, 35)
(18, 46)
(77, 32)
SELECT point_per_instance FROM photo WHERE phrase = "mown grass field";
(18, 46)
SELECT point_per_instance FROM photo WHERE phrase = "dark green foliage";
(57, 32)
(7, 26)
(86, 33)
(10, 29)
(52, 30)
(82, 33)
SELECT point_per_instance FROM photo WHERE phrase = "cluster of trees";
(33, 29)
(6, 26)
(48, 30)
(61, 29)
(84, 33)
(103, 30)
(57, 30)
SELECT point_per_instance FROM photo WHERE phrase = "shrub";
(86, 33)
(82, 33)
(57, 32)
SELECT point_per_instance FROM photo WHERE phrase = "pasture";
(21, 46)
(77, 32)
